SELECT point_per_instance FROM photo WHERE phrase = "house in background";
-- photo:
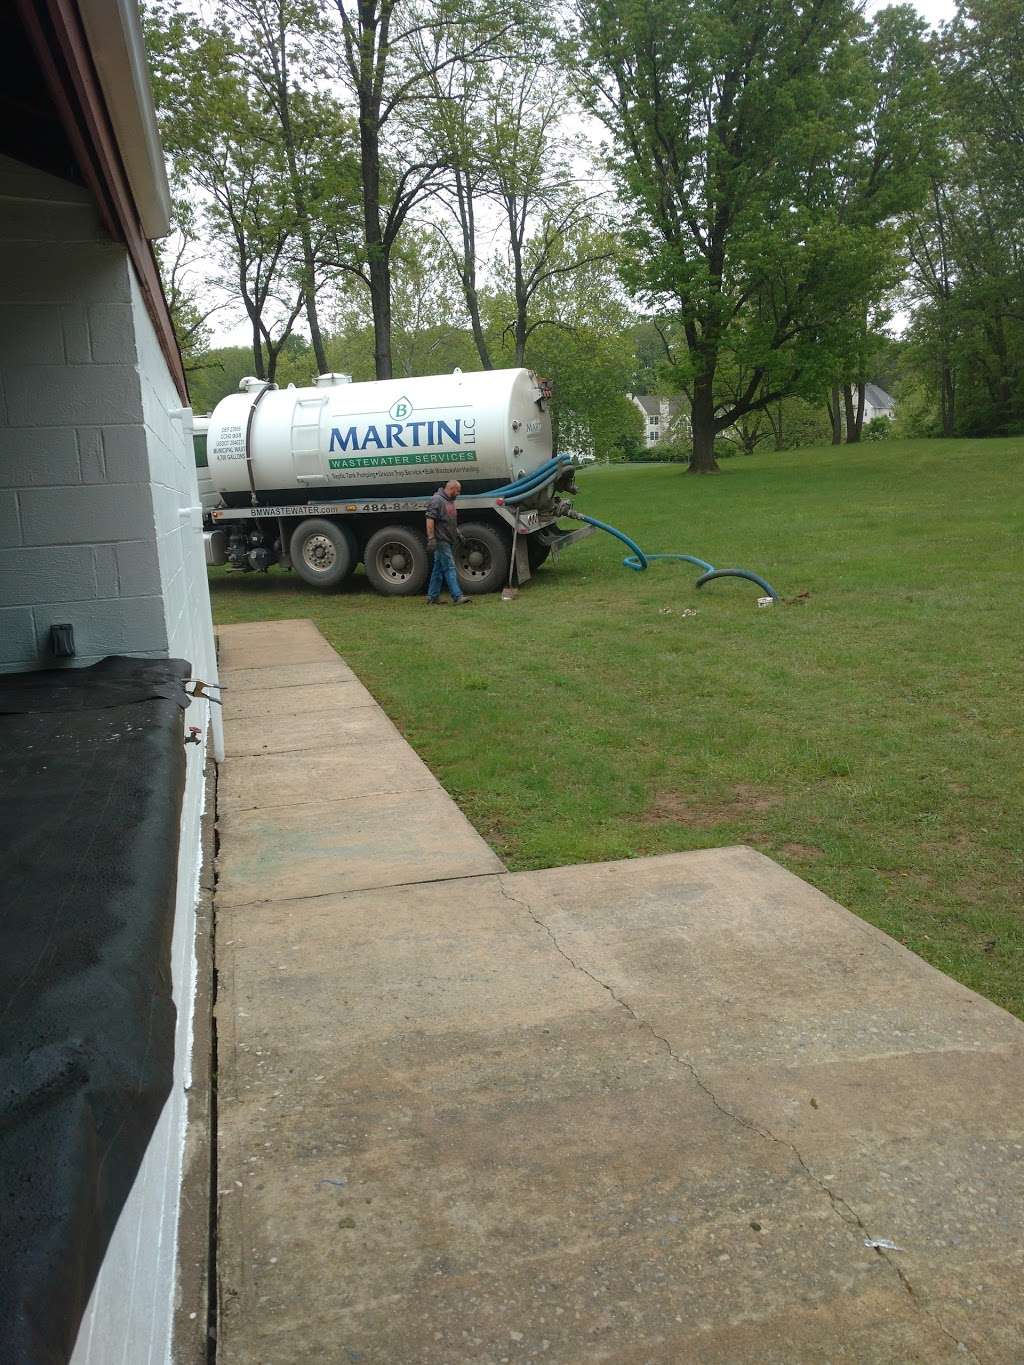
(663, 418)
(100, 536)
(877, 403)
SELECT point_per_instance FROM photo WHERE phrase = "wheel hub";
(475, 560)
(394, 561)
(319, 553)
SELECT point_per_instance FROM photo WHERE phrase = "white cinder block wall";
(99, 527)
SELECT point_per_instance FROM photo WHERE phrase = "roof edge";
(114, 34)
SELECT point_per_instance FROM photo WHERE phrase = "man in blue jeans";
(442, 536)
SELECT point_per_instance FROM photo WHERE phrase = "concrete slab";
(589, 1115)
(366, 726)
(309, 700)
(263, 644)
(286, 675)
(639, 1112)
(300, 778)
(389, 839)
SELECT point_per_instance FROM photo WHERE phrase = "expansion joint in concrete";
(838, 1204)
(212, 1281)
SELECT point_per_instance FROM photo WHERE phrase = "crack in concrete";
(362, 890)
(839, 1205)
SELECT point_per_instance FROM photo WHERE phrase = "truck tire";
(538, 550)
(482, 558)
(323, 553)
(396, 561)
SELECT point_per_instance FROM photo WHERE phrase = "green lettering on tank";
(401, 461)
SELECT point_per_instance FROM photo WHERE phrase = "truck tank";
(392, 437)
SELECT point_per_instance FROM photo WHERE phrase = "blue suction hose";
(638, 561)
(528, 484)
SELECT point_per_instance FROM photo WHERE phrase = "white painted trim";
(114, 34)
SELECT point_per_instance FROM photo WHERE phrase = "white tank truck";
(323, 478)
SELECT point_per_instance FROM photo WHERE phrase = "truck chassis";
(324, 541)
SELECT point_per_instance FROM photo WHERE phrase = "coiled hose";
(639, 560)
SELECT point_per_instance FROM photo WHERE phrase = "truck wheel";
(322, 552)
(538, 550)
(481, 561)
(396, 561)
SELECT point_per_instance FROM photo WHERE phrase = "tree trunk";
(835, 416)
(299, 200)
(702, 417)
(380, 300)
(861, 387)
(520, 336)
(467, 222)
(257, 351)
(852, 434)
(377, 252)
(309, 285)
(947, 397)
(519, 287)
(479, 339)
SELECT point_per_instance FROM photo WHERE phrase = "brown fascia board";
(55, 30)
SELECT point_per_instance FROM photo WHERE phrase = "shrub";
(878, 429)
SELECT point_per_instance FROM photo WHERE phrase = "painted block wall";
(77, 533)
(99, 526)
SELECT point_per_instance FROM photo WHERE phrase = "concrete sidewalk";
(647, 1111)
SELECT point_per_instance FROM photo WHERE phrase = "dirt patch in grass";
(961, 842)
(743, 801)
(794, 850)
(902, 876)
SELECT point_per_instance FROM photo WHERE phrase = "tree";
(281, 54)
(883, 178)
(222, 139)
(585, 348)
(730, 121)
(181, 268)
(394, 51)
(429, 335)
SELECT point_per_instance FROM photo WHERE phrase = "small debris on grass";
(765, 601)
(796, 601)
(882, 1244)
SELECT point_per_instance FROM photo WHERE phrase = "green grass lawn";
(867, 738)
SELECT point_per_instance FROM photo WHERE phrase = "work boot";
(463, 602)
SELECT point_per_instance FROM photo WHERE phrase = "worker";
(442, 537)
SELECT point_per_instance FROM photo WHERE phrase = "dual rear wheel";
(324, 553)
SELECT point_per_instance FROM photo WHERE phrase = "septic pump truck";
(326, 477)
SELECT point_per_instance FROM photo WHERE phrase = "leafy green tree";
(730, 122)
(394, 52)
(281, 47)
(223, 142)
(966, 245)
(188, 298)
(585, 347)
(884, 177)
